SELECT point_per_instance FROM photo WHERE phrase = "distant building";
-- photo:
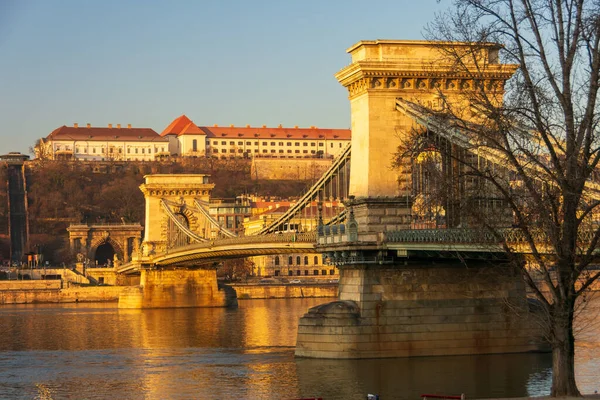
(187, 139)
(102, 144)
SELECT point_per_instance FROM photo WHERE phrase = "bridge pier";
(421, 309)
(181, 287)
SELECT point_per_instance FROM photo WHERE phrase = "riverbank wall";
(250, 291)
(33, 293)
(50, 291)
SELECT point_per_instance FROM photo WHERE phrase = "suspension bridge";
(413, 279)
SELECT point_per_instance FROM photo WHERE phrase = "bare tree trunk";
(563, 352)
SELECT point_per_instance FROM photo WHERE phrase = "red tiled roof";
(182, 126)
(105, 134)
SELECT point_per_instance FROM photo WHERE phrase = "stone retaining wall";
(67, 295)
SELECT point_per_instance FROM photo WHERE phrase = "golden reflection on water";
(99, 351)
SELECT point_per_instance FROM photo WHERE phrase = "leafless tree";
(540, 144)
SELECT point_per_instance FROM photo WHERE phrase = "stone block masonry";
(180, 287)
(421, 310)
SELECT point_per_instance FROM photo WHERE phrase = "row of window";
(298, 260)
(264, 151)
(232, 143)
(306, 272)
(84, 150)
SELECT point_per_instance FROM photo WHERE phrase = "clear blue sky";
(220, 62)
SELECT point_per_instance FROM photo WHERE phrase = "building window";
(312, 152)
(332, 272)
(290, 272)
(143, 151)
(331, 145)
(276, 273)
(265, 151)
(223, 143)
(94, 150)
(272, 143)
(289, 151)
(194, 145)
(316, 272)
(240, 150)
(289, 143)
(215, 143)
(305, 272)
(320, 144)
(136, 151)
(297, 151)
(323, 272)
(128, 151)
(240, 143)
(223, 150)
(290, 260)
(304, 144)
(215, 150)
(264, 143)
(297, 144)
(298, 260)
(316, 260)
(304, 151)
(273, 151)
(248, 143)
(312, 144)
(110, 150)
(232, 143)
(281, 143)
(298, 272)
(120, 150)
(305, 260)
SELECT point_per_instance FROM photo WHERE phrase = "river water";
(97, 351)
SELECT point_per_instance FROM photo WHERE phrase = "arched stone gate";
(123, 238)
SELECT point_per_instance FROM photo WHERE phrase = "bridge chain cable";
(183, 229)
(202, 206)
(424, 117)
(316, 192)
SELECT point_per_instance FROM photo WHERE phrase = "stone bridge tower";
(422, 72)
(181, 189)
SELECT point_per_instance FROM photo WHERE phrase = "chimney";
(89, 125)
(295, 126)
(119, 126)
(247, 125)
(216, 125)
(110, 125)
(76, 125)
(264, 126)
(280, 126)
(128, 126)
(231, 125)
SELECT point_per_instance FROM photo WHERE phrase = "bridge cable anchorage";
(183, 229)
(202, 206)
(315, 193)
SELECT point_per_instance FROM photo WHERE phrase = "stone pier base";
(421, 310)
(178, 288)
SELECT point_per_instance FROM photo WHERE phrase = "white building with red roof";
(102, 144)
(188, 139)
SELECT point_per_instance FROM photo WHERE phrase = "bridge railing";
(479, 236)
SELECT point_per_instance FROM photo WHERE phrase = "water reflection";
(97, 351)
